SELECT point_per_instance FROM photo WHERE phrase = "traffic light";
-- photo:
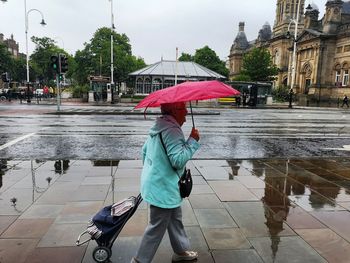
(55, 64)
(63, 63)
(5, 77)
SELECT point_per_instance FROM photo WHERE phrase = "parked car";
(39, 93)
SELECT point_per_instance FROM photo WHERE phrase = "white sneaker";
(188, 256)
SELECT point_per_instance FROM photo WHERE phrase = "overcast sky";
(155, 27)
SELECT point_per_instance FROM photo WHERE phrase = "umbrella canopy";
(187, 91)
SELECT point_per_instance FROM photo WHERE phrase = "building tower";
(285, 11)
(238, 49)
(332, 18)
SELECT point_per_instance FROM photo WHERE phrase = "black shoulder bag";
(185, 181)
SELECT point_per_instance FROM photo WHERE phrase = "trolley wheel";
(101, 254)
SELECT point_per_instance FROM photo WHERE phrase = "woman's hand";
(195, 134)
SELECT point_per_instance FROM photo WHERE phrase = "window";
(347, 48)
(339, 49)
(148, 86)
(139, 85)
(337, 77)
(346, 77)
(156, 85)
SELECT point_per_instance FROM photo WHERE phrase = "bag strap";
(166, 152)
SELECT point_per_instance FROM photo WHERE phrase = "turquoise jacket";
(159, 181)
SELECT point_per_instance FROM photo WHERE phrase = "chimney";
(241, 26)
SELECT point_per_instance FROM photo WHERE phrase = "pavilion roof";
(184, 69)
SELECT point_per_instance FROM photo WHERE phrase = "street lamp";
(26, 31)
(288, 35)
(112, 67)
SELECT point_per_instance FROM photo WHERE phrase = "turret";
(311, 17)
(240, 42)
(332, 16)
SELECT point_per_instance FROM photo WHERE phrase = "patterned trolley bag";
(106, 225)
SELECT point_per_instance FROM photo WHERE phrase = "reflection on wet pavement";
(263, 210)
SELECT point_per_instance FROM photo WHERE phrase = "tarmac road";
(26, 132)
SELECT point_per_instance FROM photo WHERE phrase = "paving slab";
(89, 193)
(327, 243)
(78, 212)
(285, 249)
(236, 255)
(6, 221)
(232, 191)
(61, 235)
(28, 228)
(338, 221)
(42, 211)
(225, 238)
(16, 250)
(214, 218)
(205, 201)
(256, 220)
(259, 213)
(56, 255)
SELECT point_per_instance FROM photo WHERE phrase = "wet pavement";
(246, 210)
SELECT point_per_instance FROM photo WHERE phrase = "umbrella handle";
(192, 115)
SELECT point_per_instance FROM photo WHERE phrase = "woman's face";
(179, 113)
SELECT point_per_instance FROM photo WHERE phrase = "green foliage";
(257, 64)
(15, 66)
(40, 59)
(6, 61)
(242, 77)
(95, 58)
(280, 94)
(79, 90)
(207, 57)
(186, 57)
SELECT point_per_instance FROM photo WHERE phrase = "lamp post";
(296, 23)
(26, 31)
(112, 66)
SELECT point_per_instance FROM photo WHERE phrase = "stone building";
(11, 44)
(322, 48)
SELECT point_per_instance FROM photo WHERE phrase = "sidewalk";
(266, 210)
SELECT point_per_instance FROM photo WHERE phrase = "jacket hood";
(162, 123)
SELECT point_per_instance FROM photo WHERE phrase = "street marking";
(345, 148)
(16, 141)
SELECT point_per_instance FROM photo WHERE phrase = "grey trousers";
(161, 220)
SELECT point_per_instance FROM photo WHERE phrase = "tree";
(40, 59)
(6, 61)
(185, 57)
(19, 70)
(94, 59)
(257, 65)
(207, 57)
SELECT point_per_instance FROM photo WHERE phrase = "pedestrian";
(345, 101)
(159, 183)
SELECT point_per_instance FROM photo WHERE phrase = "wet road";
(234, 134)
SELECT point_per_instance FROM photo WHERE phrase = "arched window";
(139, 85)
(337, 73)
(345, 71)
(156, 84)
(148, 86)
(168, 83)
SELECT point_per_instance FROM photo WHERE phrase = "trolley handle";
(78, 243)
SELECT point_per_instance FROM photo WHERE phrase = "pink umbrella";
(188, 91)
